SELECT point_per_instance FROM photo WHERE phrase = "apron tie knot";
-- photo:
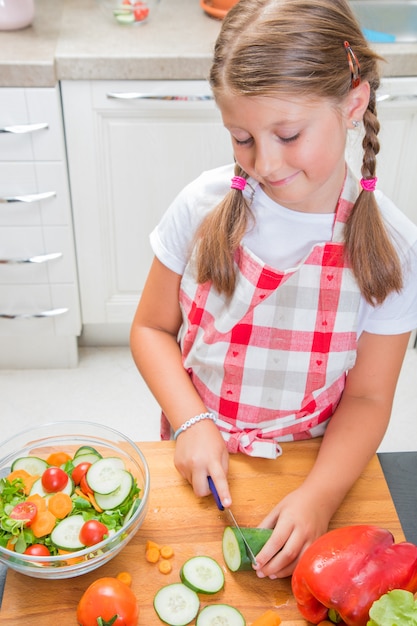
(250, 443)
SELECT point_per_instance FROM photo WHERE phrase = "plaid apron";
(271, 361)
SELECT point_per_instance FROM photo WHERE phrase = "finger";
(219, 478)
(273, 546)
(284, 561)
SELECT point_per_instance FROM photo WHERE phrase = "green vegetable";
(202, 574)
(233, 547)
(222, 614)
(395, 608)
(119, 508)
(176, 604)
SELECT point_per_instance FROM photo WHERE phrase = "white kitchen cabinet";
(39, 304)
(130, 155)
(128, 158)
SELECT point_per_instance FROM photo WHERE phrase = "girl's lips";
(283, 181)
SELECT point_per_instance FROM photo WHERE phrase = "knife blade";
(220, 506)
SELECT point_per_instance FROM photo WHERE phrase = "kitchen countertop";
(172, 504)
(73, 40)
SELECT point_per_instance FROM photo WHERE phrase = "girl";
(281, 309)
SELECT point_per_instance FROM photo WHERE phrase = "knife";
(232, 518)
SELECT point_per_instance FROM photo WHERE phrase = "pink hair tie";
(368, 184)
(238, 182)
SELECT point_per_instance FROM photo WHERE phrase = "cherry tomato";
(141, 11)
(54, 479)
(85, 487)
(37, 549)
(79, 471)
(93, 532)
(24, 512)
(108, 598)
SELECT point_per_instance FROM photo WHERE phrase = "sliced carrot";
(165, 566)
(73, 561)
(269, 618)
(60, 505)
(26, 478)
(167, 552)
(152, 544)
(43, 524)
(92, 499)
(152, 555)
(125, 578)
(81, 494)
(58, 458)
(38, 500)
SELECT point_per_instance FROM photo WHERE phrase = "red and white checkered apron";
(271, 362)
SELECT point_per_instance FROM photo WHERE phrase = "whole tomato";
(106, 599)
(37, 549)
(93, 532)
(54, 479)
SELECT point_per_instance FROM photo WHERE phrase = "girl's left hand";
(298, 521)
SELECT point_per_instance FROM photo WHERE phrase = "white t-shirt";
(281, 238)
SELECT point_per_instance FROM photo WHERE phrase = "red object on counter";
(348, 568)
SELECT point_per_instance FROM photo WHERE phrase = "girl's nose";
(267, 160)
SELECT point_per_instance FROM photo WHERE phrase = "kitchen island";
(195, 526)
(73, 40)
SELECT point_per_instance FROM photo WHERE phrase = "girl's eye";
(289, 139)
(243, 142)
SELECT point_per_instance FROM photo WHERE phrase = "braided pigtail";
(219, 237)
(374, 260)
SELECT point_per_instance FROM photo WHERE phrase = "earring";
(355, 123)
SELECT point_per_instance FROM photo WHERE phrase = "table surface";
(194, 526)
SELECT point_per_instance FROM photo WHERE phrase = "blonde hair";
(272, 47)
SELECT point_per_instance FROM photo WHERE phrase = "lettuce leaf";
(395, 608)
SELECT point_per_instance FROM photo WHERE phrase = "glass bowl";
(128, 12)
(43, 440)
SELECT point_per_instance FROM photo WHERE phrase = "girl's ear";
(356, 103)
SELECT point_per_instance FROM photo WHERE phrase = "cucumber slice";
(118, 496)
(234, 551)
(176, 604)
(88, 457)
(37, 487)
(223, 614)
(202, 574)
(66, 535)
(33, 465)
(104, 476)
(87, 450)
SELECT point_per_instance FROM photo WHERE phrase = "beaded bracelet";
(194, 420)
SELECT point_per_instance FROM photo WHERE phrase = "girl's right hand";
(200, 452)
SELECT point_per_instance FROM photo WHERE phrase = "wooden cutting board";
(193, 527)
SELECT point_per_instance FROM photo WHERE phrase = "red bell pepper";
(347, 569)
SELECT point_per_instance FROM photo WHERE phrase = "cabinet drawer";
(34, 255)
(25, 311)
(19, 110)
(19, 179)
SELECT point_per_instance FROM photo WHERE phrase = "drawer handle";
(126, 95)
(50, 313)
(21, 129)
(40, 258)
(28, 198)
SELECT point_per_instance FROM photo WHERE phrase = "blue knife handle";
(215, 494)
